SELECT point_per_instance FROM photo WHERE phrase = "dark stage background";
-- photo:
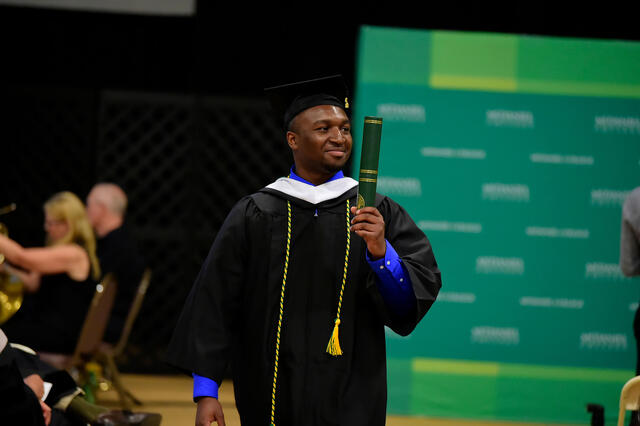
(171, 108)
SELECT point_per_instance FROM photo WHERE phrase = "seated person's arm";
(65, 258)
(36, 384)
(31, 279)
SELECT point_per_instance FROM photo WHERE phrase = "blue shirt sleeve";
(393, 281)
(203, 386)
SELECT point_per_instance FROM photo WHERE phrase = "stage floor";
(171, 397)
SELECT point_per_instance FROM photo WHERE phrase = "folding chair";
(107, 353)
(629, 398)
(92, 331)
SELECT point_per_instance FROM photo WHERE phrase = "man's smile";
(336, 152)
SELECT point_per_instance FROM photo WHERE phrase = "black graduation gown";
(232, 311)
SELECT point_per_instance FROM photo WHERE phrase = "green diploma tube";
(369, 161)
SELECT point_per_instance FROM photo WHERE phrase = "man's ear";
(292, 140)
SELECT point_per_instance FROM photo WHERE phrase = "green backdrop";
(514, 154)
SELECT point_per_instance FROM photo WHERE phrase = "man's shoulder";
(119, 236)
(115, 237)
(386, 202)
(120, 247)
(632, 202)
(391, 209)
(634, 194)
(258, 202)
(380, 198)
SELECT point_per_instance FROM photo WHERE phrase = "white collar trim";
(313, 194)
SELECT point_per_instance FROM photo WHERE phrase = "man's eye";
(346, 129)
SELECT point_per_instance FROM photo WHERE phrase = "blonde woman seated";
(59, 278)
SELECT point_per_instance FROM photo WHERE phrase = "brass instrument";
(11, 288)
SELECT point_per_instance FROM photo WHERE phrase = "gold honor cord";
(334, 344)
(284, 281)
(333, 347)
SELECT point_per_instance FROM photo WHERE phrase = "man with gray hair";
(630, 262)
(116, 250)
(630, 235)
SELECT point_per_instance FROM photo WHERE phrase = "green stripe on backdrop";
(495, 369)
(470, 61)
(519, 392)
(578, 88)
(473, 83)
(590, 62)
(511, 63)
(578, 67)
(508, 399)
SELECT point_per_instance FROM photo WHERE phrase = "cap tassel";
(333, 347)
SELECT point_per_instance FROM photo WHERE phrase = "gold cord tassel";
(333, 347)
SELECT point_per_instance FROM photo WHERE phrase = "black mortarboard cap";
(290, 100)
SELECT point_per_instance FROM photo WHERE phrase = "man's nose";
(336, 135)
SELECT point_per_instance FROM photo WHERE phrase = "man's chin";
(336, 166)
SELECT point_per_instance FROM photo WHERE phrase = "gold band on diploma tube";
(373, 121)
(369, 172)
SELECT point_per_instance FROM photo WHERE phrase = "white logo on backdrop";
(633, 306)
(409, 187)
(606, 341)
(578, 160)
(499, 265)
(549, 302)
(539, 231)
(508, 118)
(497, 335)
(456, 297)
(445, 226)
(505, 191)
(603, 270)
(613, 124)
(444, 152)
(608, 197)
(402, 112)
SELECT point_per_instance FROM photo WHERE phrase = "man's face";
(95, 209)
(320, 138)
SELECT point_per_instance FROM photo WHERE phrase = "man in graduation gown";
(299, 284)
